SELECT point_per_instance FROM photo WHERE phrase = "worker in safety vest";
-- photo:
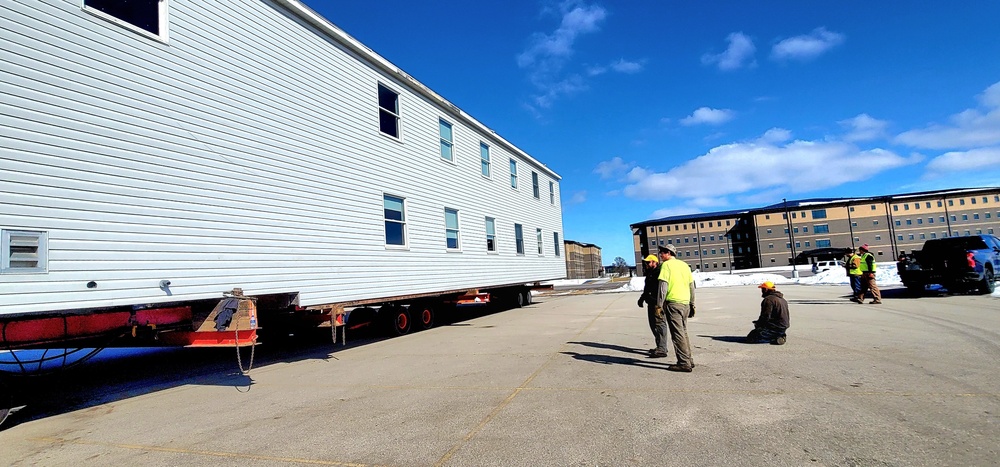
(675, 300)
(868, 277)
(853, 266)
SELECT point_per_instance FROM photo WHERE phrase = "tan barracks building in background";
(819, 229)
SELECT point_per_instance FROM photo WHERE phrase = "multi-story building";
(817, 229)
(583, 260)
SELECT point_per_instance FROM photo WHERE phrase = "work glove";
(691, 313)
(640, 302)
(659, 312)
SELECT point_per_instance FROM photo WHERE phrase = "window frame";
(536, 189)
(395, 113)
(496, 248)
(448, 230)
(538, 238)
(405, 232)
(485, 162)
(449, 142)
(552, 196)
(162, 17)
(519, 239)
(555, 242)
(513, 173)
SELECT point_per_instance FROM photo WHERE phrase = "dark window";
(143, 14)
(819, 214)
(388, 111)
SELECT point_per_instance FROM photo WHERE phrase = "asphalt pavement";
(564, 381)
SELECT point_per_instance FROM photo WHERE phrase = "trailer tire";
(519, 299)
(424, 314)
(527, 296)
(397, 318)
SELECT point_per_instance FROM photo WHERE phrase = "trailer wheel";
(398, 319)
(424, 314)
(519, 299)
(527, 296)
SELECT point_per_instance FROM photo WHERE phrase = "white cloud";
(974, 160)
(577, 19)
(808, 46)
(739, 53)
(578, 197)
(970, 128)
(612, 168)
(775, 135)
(627, 67)
(708, 116)
(764, 164)
(863, 128)
(552, 91)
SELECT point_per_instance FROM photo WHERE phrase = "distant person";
(675, 300)
(657, 323)
(853, 266)
(773, 320)
(868, 277)
(815, 268)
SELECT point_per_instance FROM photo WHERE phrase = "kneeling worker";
(773, 320)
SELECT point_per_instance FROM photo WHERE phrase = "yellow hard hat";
(766, 285)
(651, 258)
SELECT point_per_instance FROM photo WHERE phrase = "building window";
(24, 252)
(899, 222)
(513, 173)
(770, 246)
(767, 216)
(975, 217)
(875, 222)
(768, 230)
(484, 156)
(939, 203)
(538, 238)
(819, 214)
(899, 237)
(895, 207)
(388, 111)
(555, 241)
(451, 228)
(909, 222)
(447, 143)
(491, 234)
(851, 209)
(951, 202)
(906, 207)
(878, 237)
(910, 236)
(930, 220)
(873, 207)
(823, 244)
(552, 195)
(395, 220)
(534, 185)
(961, 202)
(805, 230)
(853, 224)
(148, 17)
(933, 235)
(519, 239)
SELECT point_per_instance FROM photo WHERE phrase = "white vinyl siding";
(246, 154)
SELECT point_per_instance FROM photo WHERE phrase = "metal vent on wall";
(23, 251)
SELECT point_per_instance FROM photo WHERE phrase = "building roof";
(806, 203)
(585, 245)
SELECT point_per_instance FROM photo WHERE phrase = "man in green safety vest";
(675, 300)
(853, 266)
(868, 277)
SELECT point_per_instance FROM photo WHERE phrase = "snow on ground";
(885, 275)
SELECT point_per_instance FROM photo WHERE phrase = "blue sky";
(651, 109)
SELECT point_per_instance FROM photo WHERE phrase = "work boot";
(779, 341)
(875, 302)
(657, 354)
(681, 368)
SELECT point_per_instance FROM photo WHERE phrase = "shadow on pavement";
(619, 348)
(612, 360)
(733, 339)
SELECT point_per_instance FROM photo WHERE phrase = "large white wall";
(243, 152)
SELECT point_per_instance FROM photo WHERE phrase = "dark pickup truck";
(959, 264)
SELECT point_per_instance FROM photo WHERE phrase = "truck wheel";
(398, 319)
(519, 299)
(424, 313)
(988, 284)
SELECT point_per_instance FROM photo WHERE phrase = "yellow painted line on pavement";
(231, 455)
(451, 452)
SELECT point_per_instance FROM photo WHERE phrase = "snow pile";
(885, 275)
